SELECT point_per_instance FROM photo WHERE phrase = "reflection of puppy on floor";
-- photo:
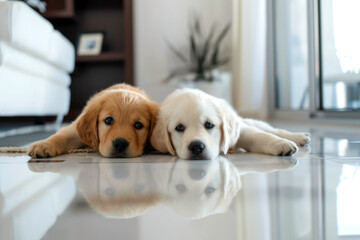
(119, 190)
(193, 189)
(198, 189)
(116, 189)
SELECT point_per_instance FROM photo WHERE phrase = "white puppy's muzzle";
(197, 150)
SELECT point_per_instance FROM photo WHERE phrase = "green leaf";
(197, 25)
(219, 63)
(177, 53)
(206, 49)
(221, 36)
(193, 49)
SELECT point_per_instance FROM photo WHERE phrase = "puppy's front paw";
(43, 149)
(300, 138)
(284, 147)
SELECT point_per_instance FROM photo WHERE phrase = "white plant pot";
(220, 87)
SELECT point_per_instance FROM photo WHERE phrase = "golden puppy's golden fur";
(117, 121)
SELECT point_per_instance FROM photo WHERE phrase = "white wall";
(157, 20)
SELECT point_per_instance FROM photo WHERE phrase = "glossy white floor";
(312, 195)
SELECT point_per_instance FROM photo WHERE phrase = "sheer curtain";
(249, 58)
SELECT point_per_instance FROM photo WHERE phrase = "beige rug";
(24, 150)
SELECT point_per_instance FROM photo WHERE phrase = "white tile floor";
(312, 195)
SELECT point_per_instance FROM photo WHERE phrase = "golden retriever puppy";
(115, 189)
(130, 187)
(118, 190)
(117, 121)
(195, 125)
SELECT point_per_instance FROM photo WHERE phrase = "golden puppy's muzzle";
(120, 147)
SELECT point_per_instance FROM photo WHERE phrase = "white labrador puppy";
(195, 125)
(198, 189)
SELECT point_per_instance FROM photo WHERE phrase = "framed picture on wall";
(90, 43)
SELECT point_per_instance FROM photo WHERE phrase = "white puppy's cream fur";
(193, 108)
(198, 189)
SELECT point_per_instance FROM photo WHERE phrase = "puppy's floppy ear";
(87, 124)
(231, 183)
(230, 126)
(154, 111)
(160, 138)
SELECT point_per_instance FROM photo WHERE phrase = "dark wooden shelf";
(103, 57)
(58, 14)
(115, 64)
(59, 9)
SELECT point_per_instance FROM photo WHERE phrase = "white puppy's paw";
(300, 138)
(283, 147)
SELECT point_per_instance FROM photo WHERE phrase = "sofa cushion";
(24, 28)
(24, 94)
(62, 52)
(16, 59)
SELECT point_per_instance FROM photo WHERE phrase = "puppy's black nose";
(120, 172)
(197, 173)
(196, 147)
(120, 144)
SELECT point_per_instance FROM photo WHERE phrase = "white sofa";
(30, 203)
(35, 63)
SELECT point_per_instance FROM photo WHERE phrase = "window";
(315, 57)
(291, 56)
(340, 54)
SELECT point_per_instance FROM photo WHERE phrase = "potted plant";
(201, 68)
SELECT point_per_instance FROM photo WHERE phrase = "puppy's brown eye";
(109, 121)
(138, 125)
(180, 128)
(208, 125)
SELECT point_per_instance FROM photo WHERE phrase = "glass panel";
(291, 51)
(293, 204)
(340, 54)
(341, 175)
(348, 208)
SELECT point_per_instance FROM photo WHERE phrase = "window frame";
(315, 112)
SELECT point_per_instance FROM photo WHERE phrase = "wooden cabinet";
(59, 9)
(115, 63)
